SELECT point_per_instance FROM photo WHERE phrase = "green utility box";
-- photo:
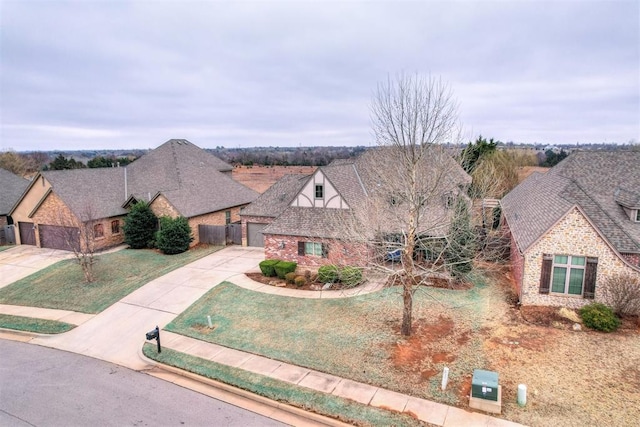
(484, 385)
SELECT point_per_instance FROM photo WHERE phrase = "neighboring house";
(574, 226)
(330, 217)
(11, 188)
(176, 178)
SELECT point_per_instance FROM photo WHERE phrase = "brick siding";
(340, 253)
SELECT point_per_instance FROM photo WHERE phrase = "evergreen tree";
(140, 226)
(473, 152)
(461, 244)
(174, 235)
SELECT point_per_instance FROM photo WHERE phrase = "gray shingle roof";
(98, 193)
(357, 181)
(595, 181)
(277, 198)
(186, 175)
(11, 188)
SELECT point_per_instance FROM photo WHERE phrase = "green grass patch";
(356, 338)
(61, 285)
(309, 400)
(4, 248)
(40, 326)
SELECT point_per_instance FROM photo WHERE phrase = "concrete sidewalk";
(118, 333)
(425, 410)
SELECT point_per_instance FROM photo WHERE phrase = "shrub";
(328, 274)
(599, 317)
(351, 276)
(284, 267)
(267, 267)
(140, 226)
(174, 235)
(622, 294)
(290, 277)
(300, 281)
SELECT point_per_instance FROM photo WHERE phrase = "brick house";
(332, 215)
(11, 188)
(574, 226)
(176, 178)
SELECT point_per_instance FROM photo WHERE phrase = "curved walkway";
(117, 334)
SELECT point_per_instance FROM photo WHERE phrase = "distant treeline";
(285, 156)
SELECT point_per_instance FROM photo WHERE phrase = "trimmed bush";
(174, 235)
(300, 281)
(140, 226)
(267, 267)
(599, 317)
(290, 278)
(351, 276)
(328, 274)
(284, 267)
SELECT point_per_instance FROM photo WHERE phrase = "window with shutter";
(301, 248)
(545, 275)
(325, 250)
(590, 278)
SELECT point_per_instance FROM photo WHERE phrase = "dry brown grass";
(260, 178)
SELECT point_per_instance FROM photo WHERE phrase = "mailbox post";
(155, 335)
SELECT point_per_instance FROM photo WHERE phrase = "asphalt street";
(46, 387)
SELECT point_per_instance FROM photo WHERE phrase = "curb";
(312, 416)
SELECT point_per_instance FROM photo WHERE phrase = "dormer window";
(319, 193)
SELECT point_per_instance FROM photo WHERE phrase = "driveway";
(116, 334)
(22, 260)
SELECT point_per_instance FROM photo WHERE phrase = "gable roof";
(95, 193)
(357, 182)
(11, 188)
(600, 183)
(189, 177)
(277, 198)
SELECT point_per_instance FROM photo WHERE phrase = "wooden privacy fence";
(220, 234)
(7, 235)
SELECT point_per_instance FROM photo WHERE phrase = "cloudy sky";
(133, 74)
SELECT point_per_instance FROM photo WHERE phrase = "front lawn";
(41, 326)
(573, 378)
(61, 285)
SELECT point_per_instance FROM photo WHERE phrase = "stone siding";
(517, 262)
(572, 235)
(340, 253)
(53, 211)
(161, 207)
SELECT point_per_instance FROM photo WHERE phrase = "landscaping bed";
(573, 377)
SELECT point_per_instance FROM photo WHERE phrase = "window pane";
(317, 249)
(559, 276)
(577, 260)
(308, 248)
(560, 259)
(575, 281)
(319, 191)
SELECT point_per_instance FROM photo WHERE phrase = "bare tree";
(79, 235)
(416, 180)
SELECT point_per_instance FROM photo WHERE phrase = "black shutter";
(325, 250)
(301, 248)
(545, 275)
(590, 278)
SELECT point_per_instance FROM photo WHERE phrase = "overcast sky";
(133, 74)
